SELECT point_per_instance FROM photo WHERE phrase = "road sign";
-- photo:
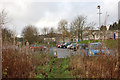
(114, 36)
(55, 53)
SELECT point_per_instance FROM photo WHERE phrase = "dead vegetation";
(94, 66)
(18, 64)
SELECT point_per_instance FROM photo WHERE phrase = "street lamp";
(98, 7)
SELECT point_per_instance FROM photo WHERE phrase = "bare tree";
(103, 29)
(79, 24)
(51, 32)
(45, 30)
(90, 29)
(63, 29)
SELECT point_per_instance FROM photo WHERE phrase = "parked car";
(95, 48)
(37, 47)
(75, 46)
(65, 45)
(83, 46)
(69, 46)
(59, 45)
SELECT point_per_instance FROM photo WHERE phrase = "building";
(118, 10)
(54, 37)
(109, 34)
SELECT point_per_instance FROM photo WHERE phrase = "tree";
(6, 34)
(115, 26)
(30, 34)
(51, 32)
(90, 29)
(110, 27)
(119, 25)
(45, 30)
(79, 24)
(72, 31)
(63, 29)
(103, 28)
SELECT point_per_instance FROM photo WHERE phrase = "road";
(63, 53)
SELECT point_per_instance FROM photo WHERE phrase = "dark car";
(65, 45)
(75, 46)
(83, 46)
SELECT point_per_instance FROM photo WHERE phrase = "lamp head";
(98, 6)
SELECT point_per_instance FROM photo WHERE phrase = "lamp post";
(98, 7)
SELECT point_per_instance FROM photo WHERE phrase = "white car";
(69, 46)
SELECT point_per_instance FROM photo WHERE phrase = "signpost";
(55, 54)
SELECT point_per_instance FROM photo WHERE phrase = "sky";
(47, 13)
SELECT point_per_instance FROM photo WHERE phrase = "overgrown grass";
(33, 65)
(93, 67)
(56, 68)
(18, 64)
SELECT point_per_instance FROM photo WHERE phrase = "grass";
(86, 41)
(56, 68)
(111, 43)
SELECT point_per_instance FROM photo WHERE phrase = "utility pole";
(99, 19)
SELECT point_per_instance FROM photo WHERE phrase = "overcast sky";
(42, 13)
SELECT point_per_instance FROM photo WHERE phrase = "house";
(54, 37)
(96, 34)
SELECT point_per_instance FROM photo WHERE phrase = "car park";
(59, 45)
(65, 45)
(69, 46)
(83, 46)
(75, 46)
(97, 49)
